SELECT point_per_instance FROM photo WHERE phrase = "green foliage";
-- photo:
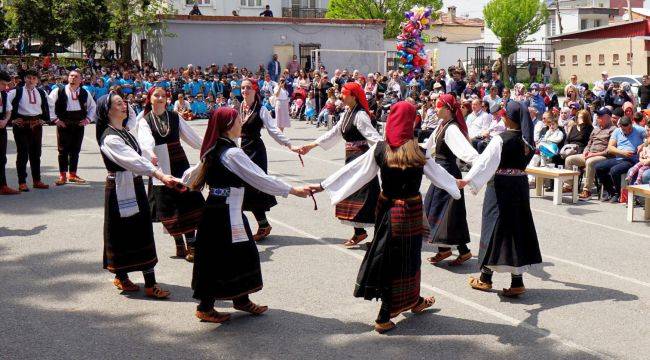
(513, 21)
(392, 11)
(42, 19)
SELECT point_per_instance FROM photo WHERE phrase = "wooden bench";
(638, 190)
(559, 176)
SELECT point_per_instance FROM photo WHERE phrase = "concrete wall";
(590, 72)
(248, 44)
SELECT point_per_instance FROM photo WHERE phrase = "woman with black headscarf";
(508, 237)
(128, 234)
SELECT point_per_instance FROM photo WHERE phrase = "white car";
(634, 80)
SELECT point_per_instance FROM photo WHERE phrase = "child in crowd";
(548, 145)
(636, 171)
(233, 102)
(199, 107)
(310, 108)
(328, 109)
(266, 101)
(295, 108)
(221, 101)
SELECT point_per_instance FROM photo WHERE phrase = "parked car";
(634, 80)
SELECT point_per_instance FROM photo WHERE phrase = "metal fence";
(486, 55)
(299, 12)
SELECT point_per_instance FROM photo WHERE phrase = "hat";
(575, 106)
(534, 86)
(603, 111)
(604, 73)
(400, 124)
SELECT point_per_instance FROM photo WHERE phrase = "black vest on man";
(45, 108)
(61, 106)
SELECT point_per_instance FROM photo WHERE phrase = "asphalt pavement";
(590, 298)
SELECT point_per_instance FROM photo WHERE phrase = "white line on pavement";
(508, 319)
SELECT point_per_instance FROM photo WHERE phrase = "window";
(629, 58)
(601, 59)
(615, 59)
(562, 60)
(596, 23)
(587, 59)
(197, 2)
(583, 24)
(574, 60)
(251, 3)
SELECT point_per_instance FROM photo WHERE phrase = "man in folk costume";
(71, 109)
(5, 115)
(355, 127)
(29, 111)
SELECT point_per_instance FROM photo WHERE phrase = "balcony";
(298, 12)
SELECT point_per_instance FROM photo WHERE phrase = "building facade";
(622, 48)
(251, 41)
(280, 8)
(452, 28)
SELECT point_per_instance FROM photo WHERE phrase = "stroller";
(298, 100)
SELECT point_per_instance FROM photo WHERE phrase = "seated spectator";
(639, 119)
(623, 146)
(639, 174)
(182, 107)
(429, 118)
(578, 133)
(493, 99)
(199, 108)
(565, 117)
(548, 144)
(478, 124)
(628, 109)
(617, 114)
(328, 109)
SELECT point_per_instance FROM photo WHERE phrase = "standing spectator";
(195, 10)
(267, 13)
(496, 81)
(274, 67)
(533, 67)
(644, 93)
(547, 71)
(623, 145)
(293, 65)
(394, 85)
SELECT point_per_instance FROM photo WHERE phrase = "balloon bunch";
(410, 46)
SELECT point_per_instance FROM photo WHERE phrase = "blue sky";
(473, 8)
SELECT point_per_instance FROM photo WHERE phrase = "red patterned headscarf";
(147, 102)
(354, 89)
(221, 121)
(400, 124)
(450, 102)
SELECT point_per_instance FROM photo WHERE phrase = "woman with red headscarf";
(159, 133)
(227, 264)
(356, 129)
(447, 217)
(256, 117)
(390, 270)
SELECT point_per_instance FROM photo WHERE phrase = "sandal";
(262, 233)
(384, 327)
(460, 259)
(212, 316)
(355, 240)
(424, 304)
(125, 285)
(477, 284)
(513, 292)
(156, 292)
(439, 257)
(252, 308)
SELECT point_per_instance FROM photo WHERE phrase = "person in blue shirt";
(207, 87)
(87, 85)
(235, 84)
(101, 88)
(199, 107)
(622, 147)
(126, 83)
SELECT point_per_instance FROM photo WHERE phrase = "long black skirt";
(447, 217)
(508, 237)
(179, 212)
(222, 269)
(128, 242)
(254, 199)
(391, 266)
(359, 208)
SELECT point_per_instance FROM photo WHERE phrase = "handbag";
(568, 150)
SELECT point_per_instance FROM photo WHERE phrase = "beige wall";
(454, 33)
(608, 48)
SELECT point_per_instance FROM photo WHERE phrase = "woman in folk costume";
(128, 234)
(256, 117)
(508, 237)
(356, 129)
(226, 263)
(390, 270)
(447, 217)
(159, 134)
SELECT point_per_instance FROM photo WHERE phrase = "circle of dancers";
(214, 234)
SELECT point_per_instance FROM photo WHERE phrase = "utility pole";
(629, 10)
(559, 17)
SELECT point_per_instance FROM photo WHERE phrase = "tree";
(513, 21)
(88, 21)
(42, 19)
(135, 16)
(392, 11)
